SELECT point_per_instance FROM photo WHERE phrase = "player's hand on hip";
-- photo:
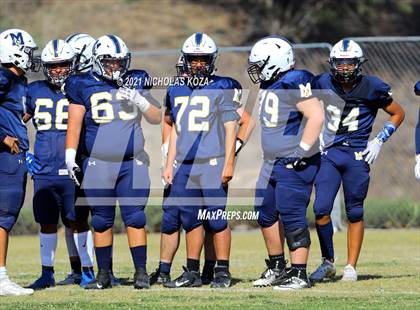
(417, 167)
(372, 150)
(12, 143)
(227, 173)
(133, 97)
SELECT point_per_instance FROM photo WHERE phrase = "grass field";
(389, 272)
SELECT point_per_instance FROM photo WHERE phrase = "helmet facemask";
(255, 70)
(198, 65)
(113, 68)
(56, 73)
(346, 70)
(83, 64)
(33, 63)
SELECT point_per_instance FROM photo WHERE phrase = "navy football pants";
(342, 164)
(12, 187)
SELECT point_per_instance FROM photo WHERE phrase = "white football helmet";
(202, 46)
(111, 57)
(17, 48)
(57, 59)
(82, 45)
(269, 57)
(346, 59)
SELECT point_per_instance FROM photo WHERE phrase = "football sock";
(222, 265)
(325, 236)
(209, 266)
(48, 245)
(277, 261)
(3, 272)
(139, 255)
(193, 264)
(87, 269)
(76, 266)
(165, 267)
(48, 271)
(103, 257)
(84, 245)
(298, 270)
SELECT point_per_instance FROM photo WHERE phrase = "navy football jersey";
(199, 114)
(49, 109)
(112, 129)
(417, 92)
(281, 122)
(351, 115)
(13, 90)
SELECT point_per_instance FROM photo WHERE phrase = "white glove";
(133, 97)
(72, 167)
(417, 167)
(372, 150)
(164, 149)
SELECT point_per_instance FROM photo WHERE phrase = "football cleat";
(222, 279)
(114, 280)
(350, 274)
(187, 279)
(71, 279)
(159, 277)
(9, 288)
(293, 282)
(87, 277)
(102, 281)
(46, 280)
(325, 271)
(270, 275)
(141, 279)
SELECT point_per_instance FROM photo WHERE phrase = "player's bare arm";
(168, 173)
(153, 115)
(396, 113)
(75, 122)
(246, 126)
(313, 112)
(74, 127)
(228, 168)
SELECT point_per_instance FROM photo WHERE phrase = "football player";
(16, 58)
(81, 44)
(115, 165)
(169, 241)
(290, 160)
(54, 191)
(202, 142)
(348, 158)
(417, 166)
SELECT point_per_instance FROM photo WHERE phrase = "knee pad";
(133, 216)
(299, 238)
(215, 226)
(100, 223)
(354, 214)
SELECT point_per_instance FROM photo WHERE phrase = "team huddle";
(89, 156)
